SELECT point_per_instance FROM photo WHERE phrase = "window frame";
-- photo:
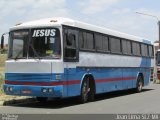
(152, 52)
(127, 48)
(70, 59)
(87, 32)
(110, 43)
(146, 55)
(139, 44)
(10, 47)
(31, 40)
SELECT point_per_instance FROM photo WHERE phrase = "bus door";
(71, 58)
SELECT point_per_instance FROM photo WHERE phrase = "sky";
(118, 15)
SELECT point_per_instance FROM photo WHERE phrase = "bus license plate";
(26, 91)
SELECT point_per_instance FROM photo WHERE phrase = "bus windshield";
(41, 43)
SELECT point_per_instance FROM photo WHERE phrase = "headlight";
(50, 90)
(44, 90)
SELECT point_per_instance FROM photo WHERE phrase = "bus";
(61, 57)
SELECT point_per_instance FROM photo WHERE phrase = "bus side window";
(70, 45)
(71, 40)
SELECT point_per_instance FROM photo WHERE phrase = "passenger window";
(144, 49)
(136, 48)
(150, 50)
(99, 42)
(90, 41)
(126, 47)
(86, 41)
(115, 45)
(81, 40)
(129, 48)
(105, 44)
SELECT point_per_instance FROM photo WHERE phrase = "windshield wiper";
(17, 56)
(35, 52)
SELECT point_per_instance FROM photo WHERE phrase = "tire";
(41, 99)
(87, 91)
(139, 85)
(91, 92)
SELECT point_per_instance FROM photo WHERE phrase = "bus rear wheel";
(41, 99)
(139, 85)
(87, 91)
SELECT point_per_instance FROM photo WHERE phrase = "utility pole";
(146, 14)
(159, 32)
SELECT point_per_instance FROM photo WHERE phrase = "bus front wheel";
(87, 91)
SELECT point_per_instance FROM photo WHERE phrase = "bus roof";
(58, 21)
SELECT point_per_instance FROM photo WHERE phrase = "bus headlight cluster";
(47, 90)
(9, 89)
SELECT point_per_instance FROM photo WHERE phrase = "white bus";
(61, 57)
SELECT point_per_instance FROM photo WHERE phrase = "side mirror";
(2, 41)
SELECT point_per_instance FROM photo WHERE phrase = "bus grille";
(27, 77)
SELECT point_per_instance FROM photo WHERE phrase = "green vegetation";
(2, 64)
(1, 83)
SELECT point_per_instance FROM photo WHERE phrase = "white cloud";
(14, 11)
(134, 25)
(127, 21)
(94, 6)
(25, 8)
(121, 11)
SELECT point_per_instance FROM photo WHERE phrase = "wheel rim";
(85, 91)
(140, 84)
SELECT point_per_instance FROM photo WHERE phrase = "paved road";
(148, 101)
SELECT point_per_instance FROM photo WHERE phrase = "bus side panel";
(108, 79)
(128, 73)
(73, 77)
(65, 87)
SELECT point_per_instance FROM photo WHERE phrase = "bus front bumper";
(36, 91)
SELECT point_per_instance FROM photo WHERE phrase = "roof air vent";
(54, 21)
(18, 24)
